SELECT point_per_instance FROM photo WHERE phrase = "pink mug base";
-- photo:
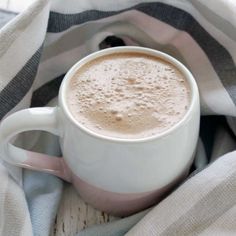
(121, 204)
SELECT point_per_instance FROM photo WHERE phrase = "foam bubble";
(118, 90)
(119, 117)
(114, 111)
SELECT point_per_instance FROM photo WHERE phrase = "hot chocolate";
(128, 95)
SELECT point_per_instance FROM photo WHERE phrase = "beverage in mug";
(128, 122)
(128, 95)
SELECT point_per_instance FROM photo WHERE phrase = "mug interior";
(127, 49)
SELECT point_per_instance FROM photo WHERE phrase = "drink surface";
(128, 95)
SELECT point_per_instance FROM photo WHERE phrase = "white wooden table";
(73, 214)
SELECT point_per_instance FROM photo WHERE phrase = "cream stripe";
(185, 197)
(27, 226)
(222, 38)
(15, 211)
(212, 91)
(216, 33)
(75, 6)
(224, 8)
(20, 51)
(215, 19)
(224, 225)
(207, 210)
(227, 42)
(3, 188)
(12, 30)
(58, 65)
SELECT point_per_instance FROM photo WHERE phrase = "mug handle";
(43, 118)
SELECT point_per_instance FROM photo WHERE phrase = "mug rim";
(122, 49)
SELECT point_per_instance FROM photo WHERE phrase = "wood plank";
(74, 214)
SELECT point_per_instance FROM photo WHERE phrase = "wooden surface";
(73, 214)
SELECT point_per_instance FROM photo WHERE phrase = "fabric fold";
(39, 46)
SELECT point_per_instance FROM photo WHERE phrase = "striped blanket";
(38, 47)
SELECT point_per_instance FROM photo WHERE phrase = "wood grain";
(74, 214)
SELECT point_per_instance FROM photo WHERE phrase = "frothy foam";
(128, 95)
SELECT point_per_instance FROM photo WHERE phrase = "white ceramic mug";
(119, 176)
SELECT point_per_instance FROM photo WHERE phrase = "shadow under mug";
(118, 176)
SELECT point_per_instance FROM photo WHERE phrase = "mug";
(115, 175)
